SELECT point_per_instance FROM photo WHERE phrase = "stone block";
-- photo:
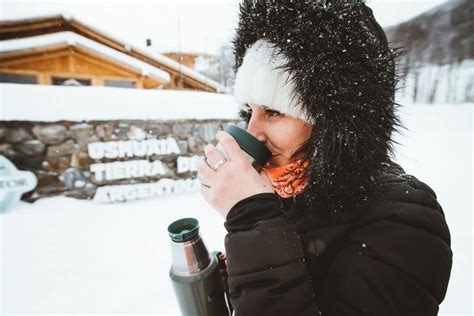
(104, 131)
(196, 145)
(136, 133)
(72, 178)
(16, 135)
(7, 150)
(121, 132)
(30, 147)
(182, 130)
(50, 134)
(159, 130)
(58, 164)
(65, 149)
(208, 131)
(80, 160)
(183, 147)
(82, 133)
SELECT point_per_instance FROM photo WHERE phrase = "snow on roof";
(74, 39)
(55, 103)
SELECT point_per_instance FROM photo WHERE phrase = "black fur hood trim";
(344, 74)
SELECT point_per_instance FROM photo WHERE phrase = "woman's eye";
(273, 113)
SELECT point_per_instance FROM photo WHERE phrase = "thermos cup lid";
(183, 229)
(250, 144)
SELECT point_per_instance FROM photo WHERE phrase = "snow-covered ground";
(67, 256)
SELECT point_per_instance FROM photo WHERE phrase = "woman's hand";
(229, 181)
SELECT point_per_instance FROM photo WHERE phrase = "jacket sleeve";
(267, 273)
(392, 265)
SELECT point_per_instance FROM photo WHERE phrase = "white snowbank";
(73, 256)
(54, 103)
(73, 39)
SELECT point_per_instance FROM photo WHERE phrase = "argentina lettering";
(139, 168)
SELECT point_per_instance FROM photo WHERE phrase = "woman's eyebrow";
(266, 108)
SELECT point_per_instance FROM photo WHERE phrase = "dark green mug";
(257, 153)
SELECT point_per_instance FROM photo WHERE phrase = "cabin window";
(18, 78)
(74, 82)
(120, 83)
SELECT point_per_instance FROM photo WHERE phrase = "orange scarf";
(288, 180)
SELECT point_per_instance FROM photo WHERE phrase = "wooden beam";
(34, 53)
(71, 62)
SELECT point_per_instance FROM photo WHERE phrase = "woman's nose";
(256, 128)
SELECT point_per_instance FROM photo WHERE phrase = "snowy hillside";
(62, 255)
(438, 54)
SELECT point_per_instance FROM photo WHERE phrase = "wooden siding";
(71, 61)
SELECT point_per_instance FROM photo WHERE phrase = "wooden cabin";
(60, 50)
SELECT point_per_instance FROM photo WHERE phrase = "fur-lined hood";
(343, 73)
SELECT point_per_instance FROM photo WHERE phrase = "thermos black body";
(194, 273)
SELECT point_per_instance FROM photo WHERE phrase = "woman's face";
(282, 134)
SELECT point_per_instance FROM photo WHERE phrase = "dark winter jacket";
(393, 259)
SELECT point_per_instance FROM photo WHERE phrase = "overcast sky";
(186, 25)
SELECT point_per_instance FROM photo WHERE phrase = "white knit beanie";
(260, 81)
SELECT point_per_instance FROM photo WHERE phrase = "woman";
(331, 226)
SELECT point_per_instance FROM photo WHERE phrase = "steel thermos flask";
(194, 272)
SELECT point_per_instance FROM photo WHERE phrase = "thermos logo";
(13, 183)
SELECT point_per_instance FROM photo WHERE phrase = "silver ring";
(219, 164)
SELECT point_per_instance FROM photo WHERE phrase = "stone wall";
(125, 153)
